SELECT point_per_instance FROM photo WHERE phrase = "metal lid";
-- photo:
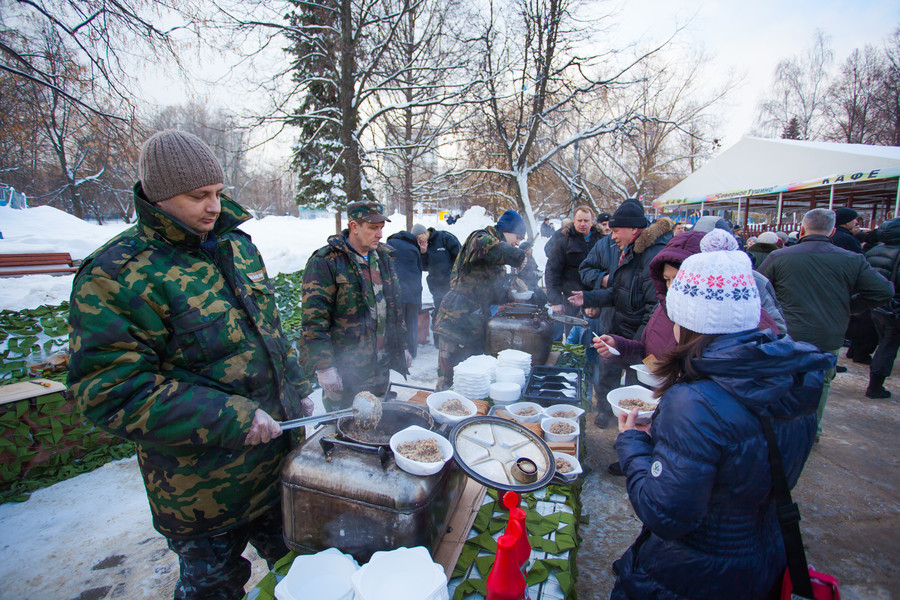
(488, 448)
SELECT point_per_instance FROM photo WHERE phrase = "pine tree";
(791, 130)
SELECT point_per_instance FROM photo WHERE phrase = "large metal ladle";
(366, 409)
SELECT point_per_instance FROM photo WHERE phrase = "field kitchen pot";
(338, 492)
(524, 327)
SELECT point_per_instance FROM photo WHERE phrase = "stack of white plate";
(485, 362)
(471, 381)
(515, 358)
(401, 574)
(511, 374)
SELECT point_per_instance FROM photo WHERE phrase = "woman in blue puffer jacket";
(698, 477)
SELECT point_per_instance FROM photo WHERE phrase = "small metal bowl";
(525, 470)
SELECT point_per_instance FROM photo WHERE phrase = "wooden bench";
(38, 263)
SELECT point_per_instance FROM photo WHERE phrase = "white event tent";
(781, 179)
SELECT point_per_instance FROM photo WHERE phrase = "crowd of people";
(177, 346)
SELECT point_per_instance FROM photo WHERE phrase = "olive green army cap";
(370, 212)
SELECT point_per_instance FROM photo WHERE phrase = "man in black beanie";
(177, 346)
(846, 226)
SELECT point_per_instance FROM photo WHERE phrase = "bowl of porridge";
(449, 407)
(419, 451)
(560, 430)
(624, 399)
(525, 412)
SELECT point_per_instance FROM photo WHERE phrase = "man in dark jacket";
(478, 282)
(819, 285)
(441, 252)
(407, 255)
(885, 258)
(561, 273)
(547, 228)
(630, 289)
(846, 226)
(177, 346)
(353, 328)
(764, 246)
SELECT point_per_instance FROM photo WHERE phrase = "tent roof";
(757, 167)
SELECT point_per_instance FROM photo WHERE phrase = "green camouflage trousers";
(212, 568)
(450, 354)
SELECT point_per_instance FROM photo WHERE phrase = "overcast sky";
(751, 37)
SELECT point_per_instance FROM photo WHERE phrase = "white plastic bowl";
(645, 376)
(559, 437)
(551, 411)
(576, 466)
(513, 410)
(505, 392)
(435, 400)
(631, 391)
(412, 434)
(401, 574)
(324, 576)
(521, 295)
(512, 374)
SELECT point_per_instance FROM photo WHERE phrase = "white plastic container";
(553, 411)
(323, 576)
(645, 376)
(505, 392)
(559, 437)
(511, 374)
(513, 410)
(412, 434)
(435, 400)
(401, 574)
(573, 462)
(631, 391)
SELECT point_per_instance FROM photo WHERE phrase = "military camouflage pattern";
(371, 212)
(175, 351)
(213, 568)
(478, 280)
(339, 329)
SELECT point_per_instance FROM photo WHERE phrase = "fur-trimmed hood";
(650, 234)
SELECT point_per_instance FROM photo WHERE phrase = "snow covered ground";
(91, 537)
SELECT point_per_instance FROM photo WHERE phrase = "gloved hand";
(263, 429)
(330, 380)
(409, 358)
(307, 406)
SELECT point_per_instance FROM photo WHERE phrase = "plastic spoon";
(612, 350)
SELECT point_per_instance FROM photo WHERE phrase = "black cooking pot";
(395, 416)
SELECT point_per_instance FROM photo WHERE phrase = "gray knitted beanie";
(173, 162)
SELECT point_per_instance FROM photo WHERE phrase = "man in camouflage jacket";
(477, 282)
(177, 346)
(353, 331)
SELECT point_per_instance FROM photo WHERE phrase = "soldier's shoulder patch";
(257, 276)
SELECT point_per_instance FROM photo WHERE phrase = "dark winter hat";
(603, 217)
(418, 229)
(629, 214)
(844, 215)
(511, 222)
(173, 162)
(370, 212)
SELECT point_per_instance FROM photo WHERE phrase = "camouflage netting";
(45, 439)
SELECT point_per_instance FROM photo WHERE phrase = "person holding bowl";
(698, 475)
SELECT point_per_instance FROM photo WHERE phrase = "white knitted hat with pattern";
(714, 292)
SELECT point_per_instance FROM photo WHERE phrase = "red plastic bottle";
(505, 581)
(517, 515)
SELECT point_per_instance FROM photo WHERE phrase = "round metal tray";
(487, 449)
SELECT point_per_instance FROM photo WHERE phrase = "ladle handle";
(315, 419)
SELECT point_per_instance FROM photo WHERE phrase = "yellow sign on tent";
(442, 215)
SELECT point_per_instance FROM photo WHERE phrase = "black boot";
(876, 388)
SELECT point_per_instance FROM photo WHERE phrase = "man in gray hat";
(177, 347)
(353, 328)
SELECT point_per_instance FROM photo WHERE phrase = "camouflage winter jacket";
(176, 351)
(338, 330)
(478, 281)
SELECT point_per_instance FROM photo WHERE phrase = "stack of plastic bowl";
(472, 381)
(512, 374)
(505, 392)
(515, 358)
(325, 576)
(401, 574)
(483, 361)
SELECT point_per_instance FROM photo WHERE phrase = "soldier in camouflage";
(477, 282)
(177, 346)
(353, 331)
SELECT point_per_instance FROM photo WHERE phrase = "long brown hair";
(677, 366)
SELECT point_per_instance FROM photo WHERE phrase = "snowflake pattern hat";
(714, 292)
